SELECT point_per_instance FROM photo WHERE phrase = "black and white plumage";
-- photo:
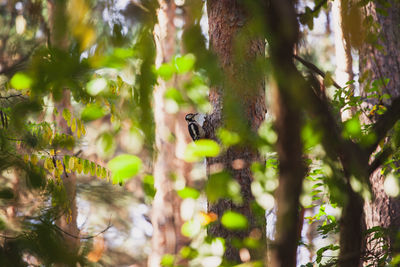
(195, 125)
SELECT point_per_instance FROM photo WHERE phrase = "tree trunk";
(282, 37)
(169, 166)
(239, 101)
(383, 210)
(59, 40)
(344, 59)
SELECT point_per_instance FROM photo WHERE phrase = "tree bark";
(169, 165)
(238, 101)
(383, 210)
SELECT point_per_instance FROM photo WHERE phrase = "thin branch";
(11, 96)
(314, 68)
(109, 225)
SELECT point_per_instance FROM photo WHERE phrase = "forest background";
(299, 164)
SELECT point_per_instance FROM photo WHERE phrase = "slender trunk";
(239, 103)
(59, 40)
(344, 59)
(381, 64)
(169, 165)
(283, 36)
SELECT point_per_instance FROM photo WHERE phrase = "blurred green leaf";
(228, 138)
(191, 228)
(185, 63)
(352, 128)
(221, 185)
(166, 71)
(234, 221)
(167, 260)
(123, 167)
(201, 148)
(92, 112)
(21, 81)
(188, 192)
(148, 186)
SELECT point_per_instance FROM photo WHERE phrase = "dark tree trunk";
(282, 36)
(238, 102)
(383, 210)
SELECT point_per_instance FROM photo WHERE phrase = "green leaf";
(234, 221)
(185, 63)
(228, 138)
(201, 148)
(352, 128)
(92, 112)
(191, 228)
(123, 167)
(148, 186)
(166, 71)
(106, 144)
(188, 192)
(174, 94)
(221, 185)
(21, 81)
(167, 260)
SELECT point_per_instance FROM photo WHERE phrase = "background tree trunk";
(171, 138)
(59, 40)
(244, 91)
(383, 210)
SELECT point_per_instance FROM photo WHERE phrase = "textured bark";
(242, 90)
(169, 165)
(383, 210)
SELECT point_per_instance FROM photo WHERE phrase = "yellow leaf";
(52, 153)
(34, 159)
(26, 158)
(73, 125)
(71, 163)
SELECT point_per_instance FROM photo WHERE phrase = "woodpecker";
(195, 125)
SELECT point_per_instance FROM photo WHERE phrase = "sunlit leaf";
(188, 192)
(167, 260)
(166, 71)
(191, 228)
(21, 81)
(233, 220)
(201, 148)
(124, 166)
(352, 128)
(185, 63)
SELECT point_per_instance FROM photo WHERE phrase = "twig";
(315, 69)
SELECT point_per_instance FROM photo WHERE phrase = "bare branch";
(314, 68)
